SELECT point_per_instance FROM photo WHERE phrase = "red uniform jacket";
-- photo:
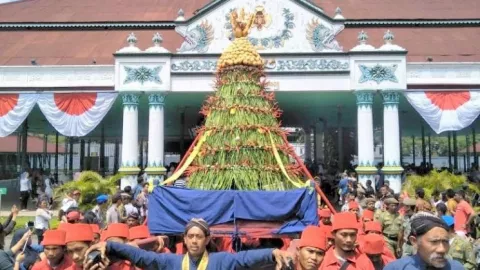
(358, 262)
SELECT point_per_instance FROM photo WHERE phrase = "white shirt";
(48, 188)
(67, 203)
(42, 219)
(25, 183)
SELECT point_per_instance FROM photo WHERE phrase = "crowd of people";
(372, 230)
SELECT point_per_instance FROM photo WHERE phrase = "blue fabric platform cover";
(169, 208)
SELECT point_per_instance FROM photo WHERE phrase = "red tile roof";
(403, 9)
(73, 47)
(166, 10)
(96, 10)
(34, 145)
(81, 47)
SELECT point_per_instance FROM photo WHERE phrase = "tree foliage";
(90, 184)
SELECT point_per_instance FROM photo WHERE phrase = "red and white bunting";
(446, 110)
(14, 109)
(75, 114)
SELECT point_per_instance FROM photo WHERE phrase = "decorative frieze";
(378, 73)
(309, 65)
(195, 65)
(143, 74)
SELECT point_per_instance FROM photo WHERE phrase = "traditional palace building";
(137, 71)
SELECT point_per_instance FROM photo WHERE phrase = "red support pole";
(307, 173)
(189, 151)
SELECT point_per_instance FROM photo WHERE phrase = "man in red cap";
(96, 233)
(344, 255)
(324, 215)
(373, 247)
(117, 232)
(374, 227)
(54, 248)
(311, 249)
(78, 239)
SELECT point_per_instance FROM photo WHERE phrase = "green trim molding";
(156, 170)
(129, 170)
(392, 170)
(366, 170)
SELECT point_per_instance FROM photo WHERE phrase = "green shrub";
(90, 184)
(440, 181)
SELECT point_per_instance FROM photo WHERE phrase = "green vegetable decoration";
(241, 145)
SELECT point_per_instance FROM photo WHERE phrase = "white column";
(366, 168)
(129, 165)
(391, 139)
(155, 168)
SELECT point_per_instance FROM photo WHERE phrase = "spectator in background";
(464, 214)
(113, 215)
(138, 187)
(7, 227)
(100, 209)
(369, 191)
(127, 203)
(25, 189)
(142, 200)
(71, 200)
(133, 220)
(42, 219)
(451, 202)
(422, 204)
(379, 177)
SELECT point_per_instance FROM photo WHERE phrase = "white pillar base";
(366, 173)
(395, 182)
(128, 180)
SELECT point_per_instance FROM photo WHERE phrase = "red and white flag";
(75, 114)
(446, 110)
(14, 109)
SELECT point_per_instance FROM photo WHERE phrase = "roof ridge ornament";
(338, 14)
(362, 37)
(388, 38)
(362, 43)
(131, 48)
(180, 16)
(157, 47)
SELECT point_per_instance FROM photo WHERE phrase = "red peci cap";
(95, 228)
(117, 230)
(373, 226)
(79, 232)
(54, 238)
(368, 214)
(139, 232)
(373, 244)
(344, 220)
(353, 205)
(314, 237)
(324, 213)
